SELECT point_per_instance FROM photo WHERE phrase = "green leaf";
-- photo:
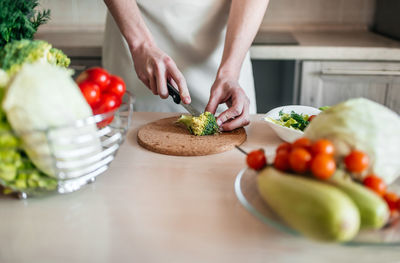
(20, 19)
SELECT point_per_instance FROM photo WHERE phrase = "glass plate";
(247, 193)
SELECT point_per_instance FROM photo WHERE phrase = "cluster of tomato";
(102, 91)
(317, 157)
(303, 156)
(300, 157)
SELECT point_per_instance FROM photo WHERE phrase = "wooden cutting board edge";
(167, 147)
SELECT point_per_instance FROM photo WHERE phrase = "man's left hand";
(226, 90)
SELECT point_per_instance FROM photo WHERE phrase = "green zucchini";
(374, 212)
(315, 209)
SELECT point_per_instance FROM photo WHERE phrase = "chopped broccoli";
(205, 124)
(16, 53)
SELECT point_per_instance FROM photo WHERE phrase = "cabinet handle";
(331, 72)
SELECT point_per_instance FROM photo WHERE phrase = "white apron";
(192, 33)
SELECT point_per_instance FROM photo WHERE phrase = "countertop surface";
(150, 207)
(311, 45)
(326, 45)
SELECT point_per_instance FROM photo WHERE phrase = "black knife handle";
(174, 93)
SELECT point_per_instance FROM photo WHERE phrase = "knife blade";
(177, 99)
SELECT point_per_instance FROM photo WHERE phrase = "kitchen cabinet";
(79, 64)
(330, 82)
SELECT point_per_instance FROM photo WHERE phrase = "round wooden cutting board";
(167, 137)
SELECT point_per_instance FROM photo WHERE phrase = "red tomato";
(284, 147)
(322, 146)
(375, 183)
(323, 166)
(108, 102)
(116, 86)
(91, 92)
(356, 161)
(299, 160)
(281, 161)
(398, 205)
(302, 142)
(312, 117)
(391, 199)
(256, 159)
(97, 75)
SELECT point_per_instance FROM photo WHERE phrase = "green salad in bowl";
(289, 122)
(292, 120)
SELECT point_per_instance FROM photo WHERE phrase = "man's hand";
(227, 90)
(244, 20)
(153, 67)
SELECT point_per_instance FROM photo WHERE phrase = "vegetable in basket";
(102, 90)
(43, 105)
(15, 54)
(16, 170)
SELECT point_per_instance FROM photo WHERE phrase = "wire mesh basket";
(63, 159)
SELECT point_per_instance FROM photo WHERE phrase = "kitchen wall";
(281, 14)
(314, 14)
(72, 15)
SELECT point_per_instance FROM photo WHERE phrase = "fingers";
(179, 80)
(240, 121)
(153, 67)
(161, 80)
(237, 108)
(214, 101)
(153, 85)
(158, 75)
(145, 81)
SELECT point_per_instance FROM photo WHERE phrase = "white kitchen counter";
(315, 45)
(150, 207)
(348, 45)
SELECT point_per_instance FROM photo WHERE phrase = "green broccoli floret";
(17, 53)
(205, 124)
(57, 57)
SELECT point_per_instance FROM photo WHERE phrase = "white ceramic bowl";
(285, 133)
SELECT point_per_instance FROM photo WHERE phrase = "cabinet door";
(393, 95)
(328, 83)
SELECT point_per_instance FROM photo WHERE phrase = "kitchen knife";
(177, 99)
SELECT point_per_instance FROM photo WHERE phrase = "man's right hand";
(154, 67)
